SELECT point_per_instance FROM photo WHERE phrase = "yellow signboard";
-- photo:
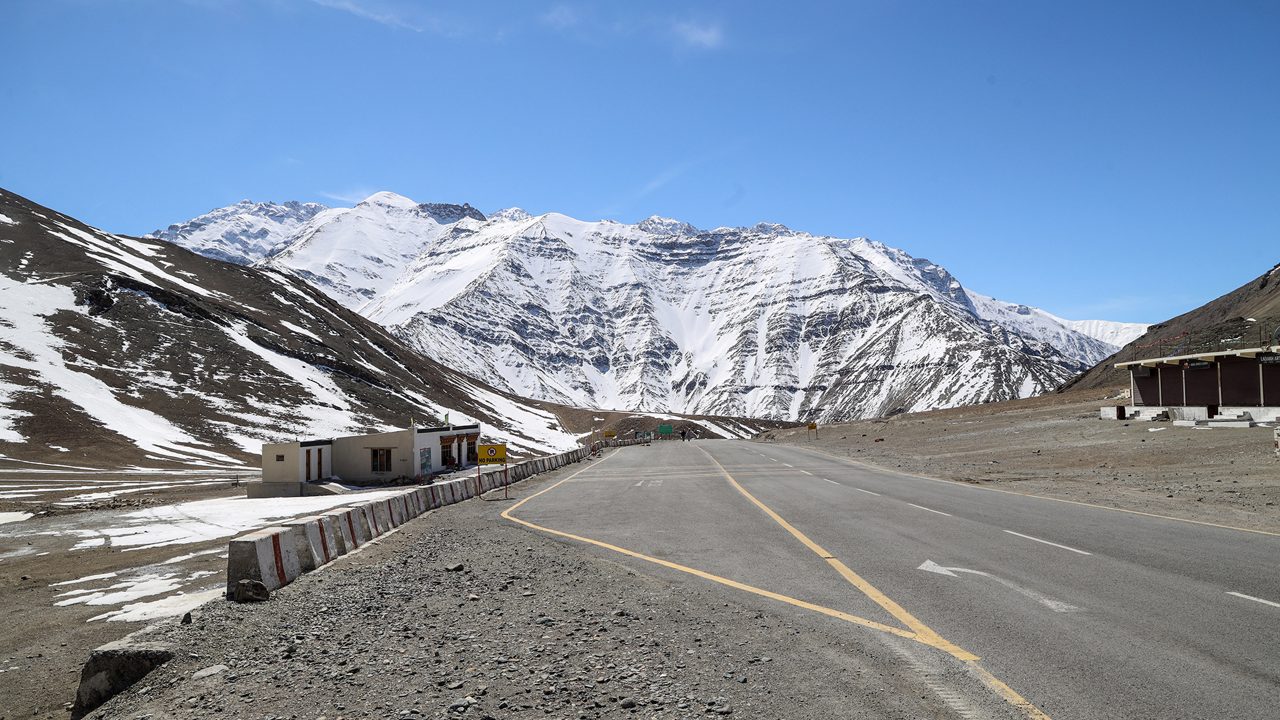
(492, 454)
(813, 426)
(610, 434)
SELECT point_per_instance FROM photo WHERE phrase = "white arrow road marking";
(1046, 542)
(1054, 605)
(1255, 599)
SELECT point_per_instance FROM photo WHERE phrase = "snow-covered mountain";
(660, 316)
(1090, 341)
(121, 352)
(242, 233)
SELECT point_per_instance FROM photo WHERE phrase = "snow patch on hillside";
(27, 342)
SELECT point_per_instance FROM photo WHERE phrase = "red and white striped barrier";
(278, 555)
(268, 555)
(344, 529)
(313, 542)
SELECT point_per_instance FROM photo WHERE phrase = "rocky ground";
(1056, 445)
(529, 626)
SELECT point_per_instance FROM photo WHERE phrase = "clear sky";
(1116, 160)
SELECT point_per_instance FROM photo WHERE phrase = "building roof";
(1206, 356)
(449, 428)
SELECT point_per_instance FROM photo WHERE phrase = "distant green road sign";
(664, 429)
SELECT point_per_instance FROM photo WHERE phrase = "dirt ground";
(1058, 446)
(43, 645)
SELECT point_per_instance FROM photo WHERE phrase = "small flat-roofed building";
(1243, 384)
(294, 468)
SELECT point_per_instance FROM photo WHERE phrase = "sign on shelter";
(492, 454)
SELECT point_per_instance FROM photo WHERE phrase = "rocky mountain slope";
(242, 233)
(119, 352)
(1248, 316)
(1087, 341)
(662, 317)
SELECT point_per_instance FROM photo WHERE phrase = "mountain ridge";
(634, 346)
(128, 353)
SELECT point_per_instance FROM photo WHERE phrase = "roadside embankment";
(268, 559)
(1057, 446)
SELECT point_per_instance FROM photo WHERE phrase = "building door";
(308, 464)
(319, 463)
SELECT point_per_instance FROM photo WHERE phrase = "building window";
(279, 458)
(380, 459)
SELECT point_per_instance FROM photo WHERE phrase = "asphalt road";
(1016, 605)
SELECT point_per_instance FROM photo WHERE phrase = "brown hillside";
(1248, 316)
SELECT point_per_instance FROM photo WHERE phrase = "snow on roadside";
(169, 606)
(205, 520)
(13, 517)
(127, 590)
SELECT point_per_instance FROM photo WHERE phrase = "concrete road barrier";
(277, 555)
(381, 516)
(310, 542)
(268, 555)
(332, 536)
(344, 530)
(372, 521)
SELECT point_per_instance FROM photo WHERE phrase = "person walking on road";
(684, 435)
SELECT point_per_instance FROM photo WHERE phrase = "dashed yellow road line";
(923, 633)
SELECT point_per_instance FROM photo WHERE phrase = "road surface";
(1013, 605)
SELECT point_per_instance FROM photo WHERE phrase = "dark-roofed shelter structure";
(1241, 384)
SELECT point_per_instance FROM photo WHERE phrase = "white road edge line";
(867, 492)
(1255, 599)
(1046, 542)
(929, 509)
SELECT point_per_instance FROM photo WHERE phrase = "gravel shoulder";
(531, 626)
(1057, 446)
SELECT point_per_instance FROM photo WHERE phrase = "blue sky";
(1118, 160)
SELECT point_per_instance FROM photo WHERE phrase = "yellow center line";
(831, 612)
(923, 633)
(919, 631)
